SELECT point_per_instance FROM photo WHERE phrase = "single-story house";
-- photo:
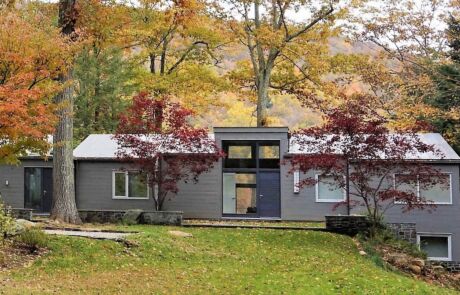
(251, 182)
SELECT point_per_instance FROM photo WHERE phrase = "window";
(269, 155)
(239, 193)
(434, 190)
(240, 152)
(440, 192)
(269, 152)
(327, 189)
(436, 246)
(129, 185)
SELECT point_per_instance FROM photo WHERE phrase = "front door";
(38, 188)
(269, 202)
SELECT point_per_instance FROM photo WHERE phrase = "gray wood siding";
(199, 200)
(442, 219)
(303, 205)
(94, 188)
(13, 194)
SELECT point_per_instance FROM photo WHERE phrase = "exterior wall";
(442, 219)
(13, 193)
(94, 192)
(303, 205)
(93, 182)
(198, 200)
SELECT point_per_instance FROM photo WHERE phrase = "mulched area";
(14, 255)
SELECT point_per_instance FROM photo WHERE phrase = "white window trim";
(418, 190)
(318, 200)
(126, 197)
(449, 245)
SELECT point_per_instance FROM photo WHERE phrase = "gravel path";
(88, 234)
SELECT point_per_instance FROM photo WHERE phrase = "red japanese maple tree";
(156, 137)
(360, 155)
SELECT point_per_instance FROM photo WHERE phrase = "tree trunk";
(64, 206)
(262, 98)
(347, 185)
(152, 63)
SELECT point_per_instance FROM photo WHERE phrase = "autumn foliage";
(156, 137)
(360, 155)
(30, 57)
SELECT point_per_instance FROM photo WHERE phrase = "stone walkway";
(115, 236)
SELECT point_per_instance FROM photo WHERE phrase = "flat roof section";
(250, 129)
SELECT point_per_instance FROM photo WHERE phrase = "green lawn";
(213, 261)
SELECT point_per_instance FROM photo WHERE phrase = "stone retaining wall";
(404, 231)
(451, 266)
(347, 224)
(132, 216)
(20, 213)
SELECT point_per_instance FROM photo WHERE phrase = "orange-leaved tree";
(31, 55)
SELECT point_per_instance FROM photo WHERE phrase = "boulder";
(397, 259)
(415, 269)
(21, 225)
(418, 262)
(178, 233)
(131, 216)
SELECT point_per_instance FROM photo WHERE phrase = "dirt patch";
(14, 255)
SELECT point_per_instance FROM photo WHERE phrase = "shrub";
(33, 239)
(7, 223)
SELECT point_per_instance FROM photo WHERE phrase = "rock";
(397, 259)
(178, 233)
(437, 268)
(415, 269)
(21, 225)
(131, 216)
(418, 262)
(26, 223)
(362, 253)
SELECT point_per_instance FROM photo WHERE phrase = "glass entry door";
(38, 188)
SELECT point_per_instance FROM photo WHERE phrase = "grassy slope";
(214, 261)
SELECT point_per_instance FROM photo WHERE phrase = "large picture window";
(327, 189)
(129, 185)
(436, 189)
(436, 246)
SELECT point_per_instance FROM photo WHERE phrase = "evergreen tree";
(105, 79)
(447, 81)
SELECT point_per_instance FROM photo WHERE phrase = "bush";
(7, 223)
(33, 239)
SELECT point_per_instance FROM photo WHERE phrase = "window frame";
(126, 196)
(418, 189)
(318, 200)
(434, 235)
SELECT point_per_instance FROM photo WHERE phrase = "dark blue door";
(269, 202)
